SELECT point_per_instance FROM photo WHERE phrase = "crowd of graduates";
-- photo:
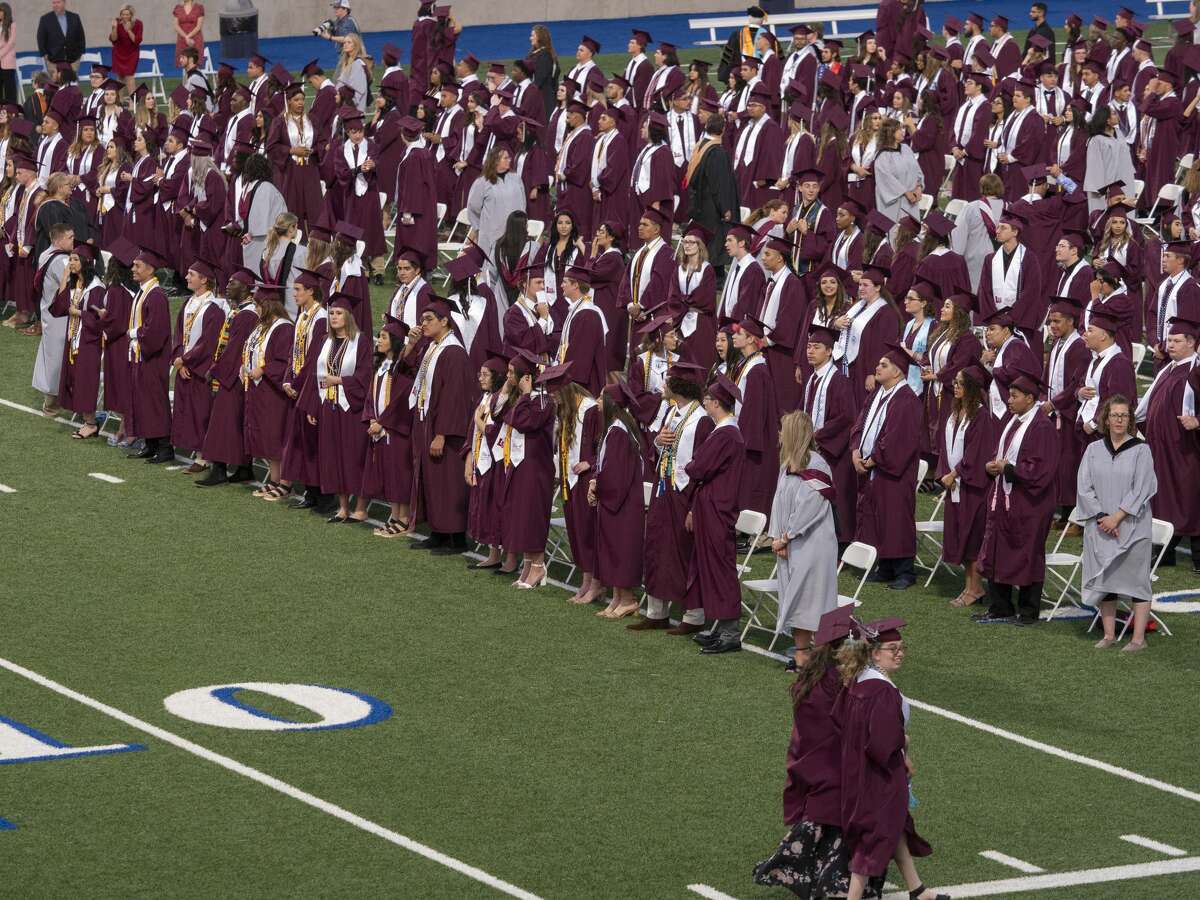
(814, 270)
(782, 292)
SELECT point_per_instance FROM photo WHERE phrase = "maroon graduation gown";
(585, 349)
(716, 473)
(785, 337)
(875, 815)
(439, 489)
(267, 406)
(203, 242)
(967, 171)
(663, 186)
(518, 333)
(343, 203)
(301, 441)
(341, 434)
(1176, 453)
(416, 196)
(1066, 406)
(580, 517)
(223, 440)
(527, 491)
(485, 515)
(833, 440)
(765, 167)
(758, 424)
(947, 270)
(1116, 378)
(299, 180)
(697, 291)
(150, 409)
(1029, 310)
(387, 465)
(887, 494)
(614, 183)
(193, 396)
(608, 277)
(749, 288)
(574, 187)
(620, 511)
(884, 326)
(813, 790)
(668, 544)
(115, 323)
(1014, 538)
(656, 290)
(79, 381)
(963, 520)
(1164, 150)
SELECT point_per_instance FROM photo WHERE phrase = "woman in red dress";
(126, 39)
(189, 29)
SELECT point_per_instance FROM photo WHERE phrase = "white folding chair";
(534, 228)
(743, 213)
(1138, 186)
(762, 590)
(930, 530)
(558, 545)
(752, 524)
(93, 59)
(33, 64)
(1185, 163)
(647, 493)
(857, 555)
(1057, 560)
(1161, 534)
(441, 214)
(954, 207)
(206, 64)
(1139, 355)
(153, 75)
(925, 204)
(450, 248)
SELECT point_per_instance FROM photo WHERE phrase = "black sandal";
(920, 889)
(80, 436)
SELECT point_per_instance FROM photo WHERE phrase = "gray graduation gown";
(971, 239)
(897, 171)
(808, 586)
(488, 208)
(1108, 482)
(266, 207)
(48, 365)
(1108, 160)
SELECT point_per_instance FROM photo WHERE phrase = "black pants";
(8, 85)
(1029, 600)
(891, 569)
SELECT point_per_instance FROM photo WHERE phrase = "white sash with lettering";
(1006, 284)
(349, 362)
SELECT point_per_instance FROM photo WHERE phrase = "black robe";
(712, 193)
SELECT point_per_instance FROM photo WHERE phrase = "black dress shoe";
(302, 503)
(902, 584)
(447, 549)
(878, 577)
(216, 475)
(241, 474)
(726, 642)
(430, 543)
(1022, 622)
(379, 279)
(164, 454)
(704, 638)
(145, 453)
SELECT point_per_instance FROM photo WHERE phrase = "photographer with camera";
(341, 26)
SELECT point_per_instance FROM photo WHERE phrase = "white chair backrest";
(94, 59)
(1139, 354)
(859, 556)
(954, 207)
(743, 213)
(1170, 193)
(1185, 161)
(441, 210)
(1162, 532)
(922, 471)
(925, 204)
(463, 217)
(206, 64)
(535, 227)
(751, 522)
(647, 492)
(1138, 187)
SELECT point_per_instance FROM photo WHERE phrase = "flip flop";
(79, 436)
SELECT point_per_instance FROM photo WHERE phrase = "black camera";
(325, 27)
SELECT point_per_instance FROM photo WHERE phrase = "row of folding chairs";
(149, 70)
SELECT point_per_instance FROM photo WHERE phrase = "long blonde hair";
(795, 441)
(852, 658)
(283, 222)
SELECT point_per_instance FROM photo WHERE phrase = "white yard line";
(111, 479)
(5, 489)
(34, 412)
(1011, 861)
(274, 784)
(1055, 880)
(710, 892)
(1157, 846)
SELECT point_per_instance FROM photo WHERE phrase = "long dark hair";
(613, 412)
(1098, 124)
(512, 242)
(810, 673)
(119, 273)
(6, 20)
(257, 168)
(972, 398)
